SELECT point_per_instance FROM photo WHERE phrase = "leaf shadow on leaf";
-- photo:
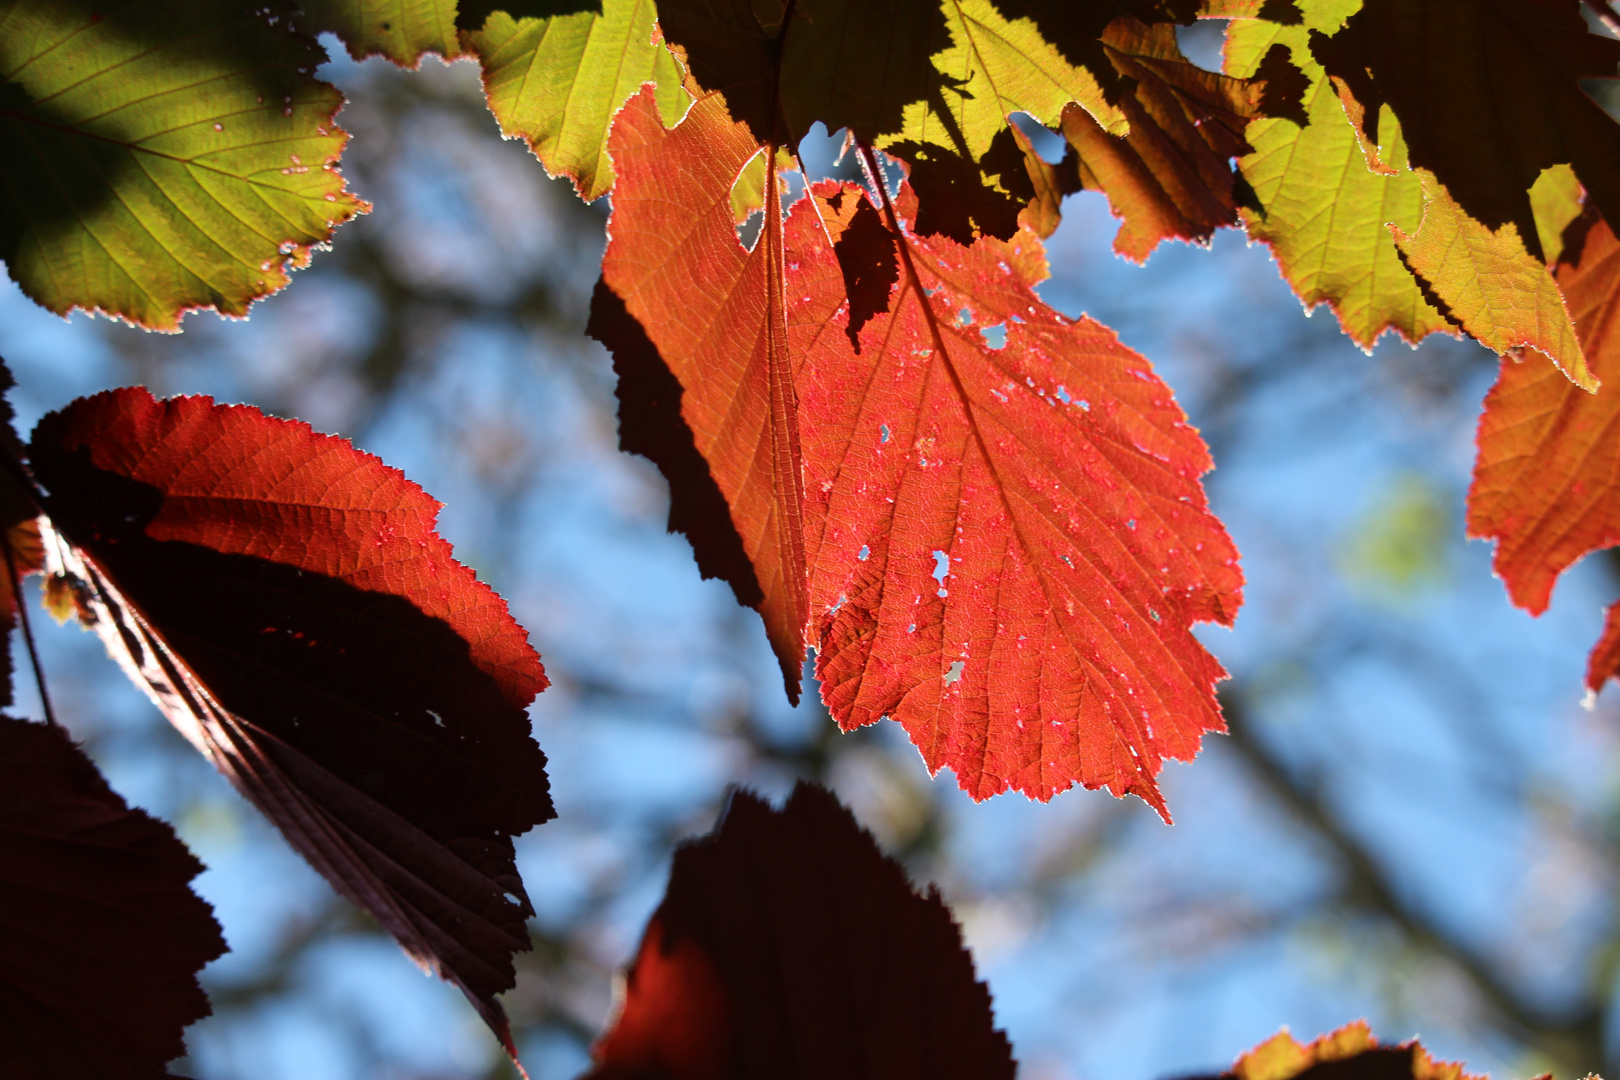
(56, 174)
(1485, 120)
(356, 722)
(651, 424)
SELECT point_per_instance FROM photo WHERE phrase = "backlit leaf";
(1494, 288)
(285, 601)
(1007, 536)
(1488, 95)
(557, 81)
(1322, 211)
(1604, 663)
(401, 30)
(788, 945)
(1547, 481)
(1350, 1053)
(101, 937)
(1170, 175)
(714, 312)
(162, 156)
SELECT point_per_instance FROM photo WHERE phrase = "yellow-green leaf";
(558, 81)
(1555, 199)
(1500, 293)
(161, 157)
(1321, 210)
(401, 30)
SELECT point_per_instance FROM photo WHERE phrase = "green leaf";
(401, 30)
(1488, 94)
(1320, 208)
(558, 82)
(162, 157)
(1494, 287)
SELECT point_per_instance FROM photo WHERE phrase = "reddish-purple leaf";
(101, 937)
(789, 945)
(285, 600)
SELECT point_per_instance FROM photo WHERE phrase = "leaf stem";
(28, 632)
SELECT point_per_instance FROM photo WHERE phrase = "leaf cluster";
(986, 518)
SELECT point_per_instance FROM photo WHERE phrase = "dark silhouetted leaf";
(651, 424)
(101, 937)
(286, 602)
(787, 945)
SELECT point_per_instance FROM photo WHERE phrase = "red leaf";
(101, 937)
(714, 312)
(789, 945)
(1547, 479)
(286, 602)
(1604, 663)
(1007, 545)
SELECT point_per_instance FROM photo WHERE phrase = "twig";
(28, 632)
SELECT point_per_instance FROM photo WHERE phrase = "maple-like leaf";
(286, 602)
(1170, 176)
(1547, 480)
(714, 312)
(1350, 1053)
(401, 30)
(162, 156)
(557, 79)
(1491, 284)
(787, 944)
(1318, 206)
(1488, 95)
(101, 937)
(1007, 536)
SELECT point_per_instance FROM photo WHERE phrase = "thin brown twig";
(28, 632)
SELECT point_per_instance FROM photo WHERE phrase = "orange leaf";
(1350, 1053)
(1547, 480)
(1008, 540)
(714, 312)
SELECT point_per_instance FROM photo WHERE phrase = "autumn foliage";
(985, 518)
